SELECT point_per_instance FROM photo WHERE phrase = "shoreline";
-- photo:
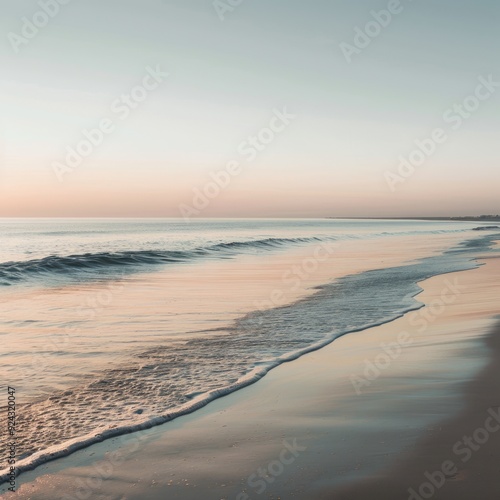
(271, 417)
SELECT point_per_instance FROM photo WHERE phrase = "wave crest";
(92, 265)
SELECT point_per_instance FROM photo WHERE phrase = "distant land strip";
(480, 218)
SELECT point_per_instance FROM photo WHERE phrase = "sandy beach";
(368, 415)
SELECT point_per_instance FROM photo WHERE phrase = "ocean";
(109, 326)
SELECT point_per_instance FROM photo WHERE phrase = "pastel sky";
(227, 81)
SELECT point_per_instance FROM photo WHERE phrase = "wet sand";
(459, 459)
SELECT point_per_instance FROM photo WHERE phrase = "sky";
(249, 108)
